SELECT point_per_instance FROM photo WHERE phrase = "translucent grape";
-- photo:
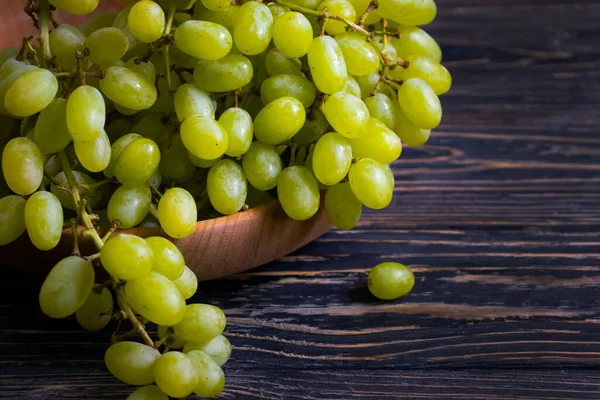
(216, 5)
(129, 205)
(77, 7)
(151, 127)
(116, 150)
(277, 10)
(127, 257)
(327, 65)
(288, 85)
(44, 220)
(99, 21)
(203, 39)
(227, 187)
(292, 34)
(277, 63)
(12, 218)
(51, 133)
(107, 45)
(262, 166)
(146, 21)
(352, 87)
(97, 310)
(66, 287)
(410, 133)
(390, 281)
(372, 183)
(168, 260)
(131, 362)
(85, 113)
(137, 162)
(202, 163)
(128, 88)
(94, 155)
(279, 121)
(150, 392)
(367, 84)
(226, 74)
(239, 127)
(31, 93)
(11, 65)
(382, 108)
(360, 57)
(187, 283)
(298, 192)
(347, 114)
(175, 165)
(342, 207)
(341, 8)
(22, 165)
(420, 103)
(191, 101)
(414, 41)
(8, 82)
(378, 143)
(253, 29)
(201, 323)
(86, 190)
(146, 69)
(332, 158)
(314, 127)
(218, 348)
(433, 73)
(204, 137)
(122, 22)
(211, 379)
(175, 374)
(65, 41)
(179, 4)
(177, 213)
(225, 17)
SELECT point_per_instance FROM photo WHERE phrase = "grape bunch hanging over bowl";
(171, 112)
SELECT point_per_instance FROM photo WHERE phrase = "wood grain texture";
(498, 216)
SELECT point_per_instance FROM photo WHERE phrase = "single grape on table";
(170, 111)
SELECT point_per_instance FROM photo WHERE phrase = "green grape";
(389, 51)
(99, 21)
(156, 298)
(202, 163)
(347, 114)
(227, 187)
(11, 65)
(187, 283)
(262, 166)
(86, 190)
(23, 166)
(434, 74)
(229, 73)
(279, 121)
(129, 205)
(310, 4)
(372, 183)
(97, 310)
(121, 22)
(65, 41)
(149, 392)
(31, 93)
(8, 82)
(116, 150)
(211, 379)
(138, 162)
(423, 12)
(175, 374)
(165, 98)
(341, 8)
(292, 34)
(414, 41)
(203, 39)
(85, 113)
(288, 85)
(127, 257)
(218, 348)
(124, 110)
(308, 163)
(179, 4)
(76, 7)
(360, 5)
(361, 58)
(298, 192)
(379, 143)
(332, 158)
(327, 65)
(225, 17)
(51, 132)
(382, 107)
(168, 260)
(315, 126)
(175, 164)
(44, 220)
(352, 87)
(201, 323)
(66, 287)
(128, 88)
(204, 137)
(408, 132)
(216, 5)
(367, 84)
(131, 362)
(239, 127)
(174, 341)
(8, 53)
(277, 10)
(191, 101)
(177, 213)
(342, 207)
(146, 21)
(107, 45)
(94, 155)
(12, 218)
(276, 63)
(152, 127)
(253, 29)
(420, 103)
(146, 69)
(390, 281)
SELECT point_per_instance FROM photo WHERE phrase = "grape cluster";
(173, 111)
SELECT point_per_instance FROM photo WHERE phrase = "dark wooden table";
(498, 216)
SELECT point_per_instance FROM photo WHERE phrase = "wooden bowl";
(217, 247)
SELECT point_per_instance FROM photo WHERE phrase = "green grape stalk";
(173, 111)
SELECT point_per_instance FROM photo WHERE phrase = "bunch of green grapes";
(173, 111)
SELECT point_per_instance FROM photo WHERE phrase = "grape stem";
(45, 16)
(30, 10)
(75, 251)
(93, 234)
(113, 228)
(372, 7)
(170, 16)
(153, 210)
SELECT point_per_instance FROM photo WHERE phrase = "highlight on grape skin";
(173, 111)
